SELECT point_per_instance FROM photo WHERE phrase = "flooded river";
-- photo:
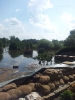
(8, 59)
(26, 64)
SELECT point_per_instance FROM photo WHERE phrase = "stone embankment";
(48, 83)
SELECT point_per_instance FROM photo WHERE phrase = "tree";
(5, 41)
(31, 45)
(27, 46)
(45, 44)
(57, 44)
(1, 45)
(12, 38)
(70, 41)
(13, 46)
(17, 39)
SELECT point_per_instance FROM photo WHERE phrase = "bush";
(1, 46)
(45, 56)
(67, 95)
(13, 46)
(41, 50)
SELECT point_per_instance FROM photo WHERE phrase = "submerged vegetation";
(45, 56)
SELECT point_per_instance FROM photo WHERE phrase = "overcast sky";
(29, 19)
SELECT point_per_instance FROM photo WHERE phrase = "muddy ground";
(8, 73)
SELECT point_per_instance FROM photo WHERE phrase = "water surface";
(8, 59)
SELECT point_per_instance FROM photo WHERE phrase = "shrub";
(13, 46)
(41, 50)
(67, 95)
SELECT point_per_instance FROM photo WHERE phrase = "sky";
(37, 19)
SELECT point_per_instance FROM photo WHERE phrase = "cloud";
(1, 27)
(17, 10)
(38, 19)
(39, 5)
(66, 17)
(13, 21)
(3, 31)
(69, 20)
(21, 32)
(43, 22)
(13, 26)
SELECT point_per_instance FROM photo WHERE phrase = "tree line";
(15, 43)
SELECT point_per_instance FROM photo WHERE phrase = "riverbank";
(8, 74)
(47, 82)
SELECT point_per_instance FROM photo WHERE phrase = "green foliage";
(1, 45)
(5, 42)
(12, 38)
(41, 45)
(45, 56)
(48, 45)
(70, 41)
(45, 44)
(1, 56)
(57, 44)
(41, 50)
(67, 95)
(13, 46)
(29, 45)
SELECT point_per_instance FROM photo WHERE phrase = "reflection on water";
(15, 54)
(8, 59)
(1, 56)
(27, 55)
(35, 53)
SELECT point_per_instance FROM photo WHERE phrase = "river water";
(8, 59)
(26, 64)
